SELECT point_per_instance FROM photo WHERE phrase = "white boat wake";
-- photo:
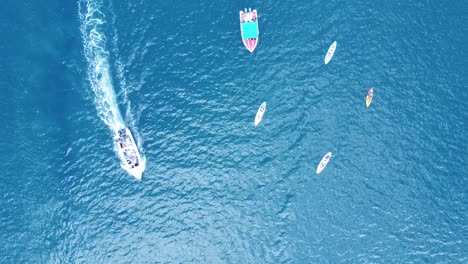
(93, 23)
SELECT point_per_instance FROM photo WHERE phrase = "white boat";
(323, 163)
(260, 112)
(128, 152)
(330, 52)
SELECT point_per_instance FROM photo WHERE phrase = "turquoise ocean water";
(217, 189)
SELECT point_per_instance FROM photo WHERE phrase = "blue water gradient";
(216, 188)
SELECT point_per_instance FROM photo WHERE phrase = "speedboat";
(128, 152)
(249, 28)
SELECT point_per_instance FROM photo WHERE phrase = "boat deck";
(249, 30)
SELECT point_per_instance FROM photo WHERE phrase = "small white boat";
(323, 163)
(260, 112)
(128, 152)
(330, 52)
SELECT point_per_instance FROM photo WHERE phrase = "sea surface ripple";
(216, 188)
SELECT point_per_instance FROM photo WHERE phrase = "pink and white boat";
(249, 28)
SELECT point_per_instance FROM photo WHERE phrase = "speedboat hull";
(249, 28)
(128, 153)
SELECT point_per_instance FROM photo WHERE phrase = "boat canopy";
(249, 30)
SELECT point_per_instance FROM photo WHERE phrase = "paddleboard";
(323, 163)
(260, 112)
(370, 95)
(330, 52)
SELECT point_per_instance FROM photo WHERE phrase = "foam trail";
(93, 23)
(99, 76)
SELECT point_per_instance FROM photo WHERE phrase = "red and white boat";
(249, 28)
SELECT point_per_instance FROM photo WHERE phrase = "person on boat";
(122, 132)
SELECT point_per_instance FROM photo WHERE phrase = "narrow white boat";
(260, 112)
(128, 152)
(330, 52)
(323, 163)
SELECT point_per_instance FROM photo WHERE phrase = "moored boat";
(249, 28)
